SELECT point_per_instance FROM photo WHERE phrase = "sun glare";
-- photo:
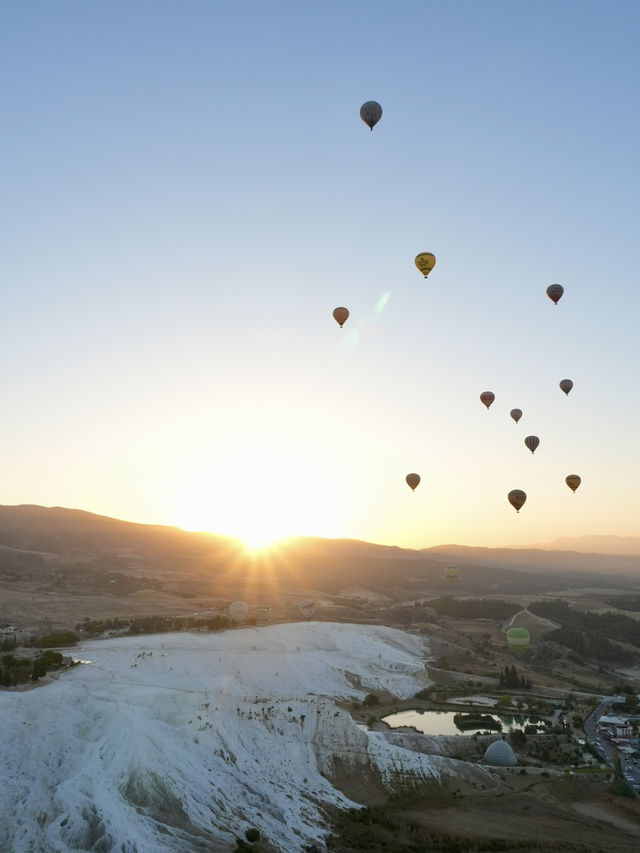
(257, 498)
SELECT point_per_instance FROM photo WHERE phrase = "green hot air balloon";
(518, 639)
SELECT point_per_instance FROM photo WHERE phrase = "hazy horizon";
(190, 192)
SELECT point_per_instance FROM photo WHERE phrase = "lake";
(442, 723)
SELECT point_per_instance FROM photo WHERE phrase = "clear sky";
(187, 194)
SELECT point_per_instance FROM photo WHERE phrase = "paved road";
(605, 748)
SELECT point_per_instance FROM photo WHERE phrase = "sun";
(258, 497)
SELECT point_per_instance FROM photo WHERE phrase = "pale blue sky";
(188, 192)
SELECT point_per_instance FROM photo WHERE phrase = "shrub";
(252, 834)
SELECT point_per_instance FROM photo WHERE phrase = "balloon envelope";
(554, 292)
(371, 113)
(238, 611)
(341, 315)
(516, 414)
(451, 572)
(573, 481)
(487, 398)
(308, 608)
(412, 480)
(566, 385)
(532, 441)
(518, 638)
(425, 262)
(517, 498)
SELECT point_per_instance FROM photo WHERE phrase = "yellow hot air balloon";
(425, 262)
(517, 498)
(341, 315)
(516, 414)
(487, 397)
(451, 572)
(532, 441)
(573, 481)
(412, 480)
(371, 113)
(566, 385)
(554, 292)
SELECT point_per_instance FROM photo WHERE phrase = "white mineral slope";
(182, 742)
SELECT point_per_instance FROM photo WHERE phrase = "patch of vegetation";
(477, 721)
(624, 602)
(474, 608)
(14, 671)
(171, 624)
(62, 638)
(590, 634)
(509, 677)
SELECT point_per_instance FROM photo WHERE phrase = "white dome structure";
(500, 754)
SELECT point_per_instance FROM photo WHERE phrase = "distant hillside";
(66, 564)
(536, 559)
(595, 544)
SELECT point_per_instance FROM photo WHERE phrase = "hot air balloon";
(341, 315)
(532, 441)
(517, 498)
(518, 639)
(238, 611)
(412, 480)
(554, 292)
(425, 262)
(308, 608)
(566, 385)
(487, 397)
(516, 414)
(451, 572)
(371, 113)
(573, 481)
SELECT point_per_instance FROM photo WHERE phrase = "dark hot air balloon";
(341, 315)
(517, 498)
(412, 481)
(566, 385)
(516, 414)
(573, 481)
(554, 292)
(487, 397)
(371, 113)
(532, 441)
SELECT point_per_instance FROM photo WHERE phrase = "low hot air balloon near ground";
(238, 610)
(371, 113)
(425, 262)
(573, 481)
(341, 315)
(518, 639)
(566, 385)
(517, 498)
(487, 397)
(412, 480)
(532, 441)
(554, 292)
(451, 572)
(516, 414)
(308, 608)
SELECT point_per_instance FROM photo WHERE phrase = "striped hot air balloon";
(532, 441)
